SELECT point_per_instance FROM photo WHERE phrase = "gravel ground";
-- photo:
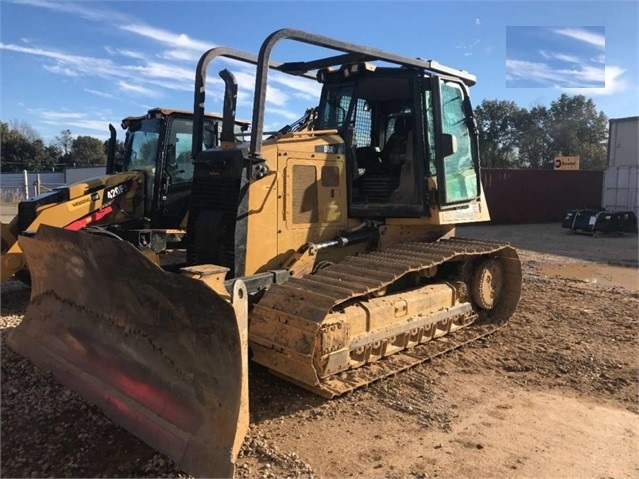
(572, 345)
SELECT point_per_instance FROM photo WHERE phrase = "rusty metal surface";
(539, 196)
(161, 354)
(286, 325)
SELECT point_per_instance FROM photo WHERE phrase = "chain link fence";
(15, 187)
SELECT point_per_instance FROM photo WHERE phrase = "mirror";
(448, 145)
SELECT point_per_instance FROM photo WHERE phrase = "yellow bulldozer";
(327, 255)
(143, 197)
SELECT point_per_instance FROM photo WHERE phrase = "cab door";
(177, 171)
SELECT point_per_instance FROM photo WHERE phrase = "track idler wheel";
(488, 280)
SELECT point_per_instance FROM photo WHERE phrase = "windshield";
(141, 145)
(334, 106)
(179, 164)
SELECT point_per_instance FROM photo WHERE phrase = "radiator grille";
(305, 207)
(212, 220)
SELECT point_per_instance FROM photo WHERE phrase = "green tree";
(119, 148)
(23, 149)
(533, 141)
(498, 136)
(578, 129)
(41, 157)
(25, 130)
(13, 149)
(64, 142)
(513, 137)
(87, 150)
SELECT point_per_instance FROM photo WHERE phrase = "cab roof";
(174, 111)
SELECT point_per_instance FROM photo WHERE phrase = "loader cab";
(411, 141)
(159, 144)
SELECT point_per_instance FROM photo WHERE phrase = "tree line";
(509, 137)
(24, 149)
(515, 137)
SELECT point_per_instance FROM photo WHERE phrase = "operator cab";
(389, 119)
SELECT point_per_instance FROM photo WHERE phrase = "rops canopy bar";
(200, 87)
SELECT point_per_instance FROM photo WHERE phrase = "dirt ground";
(553, 394)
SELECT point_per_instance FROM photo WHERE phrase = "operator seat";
(398, 155)
(395, 149)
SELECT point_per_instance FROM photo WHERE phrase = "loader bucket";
(161, 354)
(8, 233)
(11, 257)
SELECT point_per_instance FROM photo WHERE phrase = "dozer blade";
(161, 354)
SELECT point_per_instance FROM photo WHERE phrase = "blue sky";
(80, 65)
(562, 57)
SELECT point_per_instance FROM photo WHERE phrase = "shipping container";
(539, 196)
(623, 141)
(621, 189)
(621, 178)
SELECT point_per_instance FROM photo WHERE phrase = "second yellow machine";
(143, 197)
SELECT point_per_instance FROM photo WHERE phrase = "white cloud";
(548, 76)
(583, 35)
(614, 84)
(179, 55)
(154, 73)
(93, 12)
(303, 85)
(137, 89)
(276, 96)
(287, 114)
(69, 64)
(60, 70)
(126, 53)
(245, 79)
(467, 47)
(101, 126)
(175, 40)
(306, 97)
(146, 72)
(58, 115)
(162, 70)
(69, 119)
(170, 85)
(100, 93)
(560, 56)
(591, 73)
(477, 21)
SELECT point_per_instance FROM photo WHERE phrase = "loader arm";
(72, 207)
